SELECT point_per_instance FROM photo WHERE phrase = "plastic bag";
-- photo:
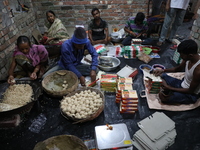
(144, 57)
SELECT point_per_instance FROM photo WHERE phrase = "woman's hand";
(33, 76)
(93, 75)
(48, 40)
(82, 80)
(11, 80)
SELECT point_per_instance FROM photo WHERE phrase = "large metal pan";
(36, 85)
(61, 142)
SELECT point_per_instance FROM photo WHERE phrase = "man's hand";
(105, 41)
(158, 72)
(164, 85)
(82, 80)
(167, 7)
(93, 75)
(98, 42)
(133, 34)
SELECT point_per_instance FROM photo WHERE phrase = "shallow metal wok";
(36, 85)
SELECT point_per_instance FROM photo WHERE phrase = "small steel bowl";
(115, 62)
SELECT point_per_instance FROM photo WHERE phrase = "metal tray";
(115, 138)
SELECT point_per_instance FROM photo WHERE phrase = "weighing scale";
(114, 136)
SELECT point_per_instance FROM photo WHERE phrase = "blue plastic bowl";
(158, 66)
(145, 66)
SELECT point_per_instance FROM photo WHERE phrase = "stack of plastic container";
(157, 133)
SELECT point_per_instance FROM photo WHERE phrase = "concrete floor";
(187, 123)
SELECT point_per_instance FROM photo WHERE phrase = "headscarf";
(56, 30)
(80, 36)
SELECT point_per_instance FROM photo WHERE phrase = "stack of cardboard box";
(152, 83)
(129, 101)
(157, 132)
(124, 83)
(126, 96)
(108, 82)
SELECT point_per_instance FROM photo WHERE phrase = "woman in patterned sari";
(55, 33)
(31, 59)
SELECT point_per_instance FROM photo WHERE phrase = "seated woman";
(55, 31)
(32, 60)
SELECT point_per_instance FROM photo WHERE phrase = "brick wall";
(195, 32)
(12, 26)
(79, 11)
(71, 12)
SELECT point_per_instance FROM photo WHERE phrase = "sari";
(56, 30)
(37, 55)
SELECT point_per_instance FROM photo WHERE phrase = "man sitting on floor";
(136, 27)
(72, 53)
(98, 29)
(187, 90)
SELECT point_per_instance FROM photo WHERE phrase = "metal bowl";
(115, 62)
(37, 91)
